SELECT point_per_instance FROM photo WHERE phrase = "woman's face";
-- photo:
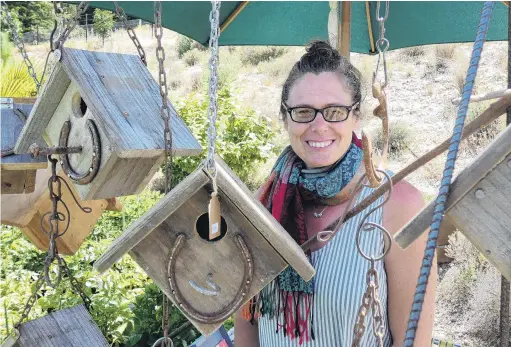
(320, 143)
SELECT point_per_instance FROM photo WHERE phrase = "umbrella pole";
(504, 284)
(344, 32)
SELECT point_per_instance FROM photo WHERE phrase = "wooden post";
(344, 34)
(504, 283)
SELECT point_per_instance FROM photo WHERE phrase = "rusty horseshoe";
(228, 310)
(88, 176)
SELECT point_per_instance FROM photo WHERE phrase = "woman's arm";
(403, 267)
(245, 334)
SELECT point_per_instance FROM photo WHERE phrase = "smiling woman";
(307, 192)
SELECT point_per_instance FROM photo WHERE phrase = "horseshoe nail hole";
(79, 106)
(202, 228)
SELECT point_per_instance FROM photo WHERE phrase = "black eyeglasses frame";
(289, 111)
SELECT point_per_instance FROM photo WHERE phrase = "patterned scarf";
(289, 185)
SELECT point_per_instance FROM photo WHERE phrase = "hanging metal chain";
(213, 86)
(70, 25)
(370, 299)
(19, 43)
(54, 218)
(165, 341)
(131, 33)
(165, 109)
(382, 44)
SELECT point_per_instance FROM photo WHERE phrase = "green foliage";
(6, 48)
(103, 23)
(16, 81)
(255, 55)
(184, 45)
(31, 15)
(191, 57)
(244, 140)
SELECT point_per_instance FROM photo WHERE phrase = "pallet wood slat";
(71, 327)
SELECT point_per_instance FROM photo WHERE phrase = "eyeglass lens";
(331, 114)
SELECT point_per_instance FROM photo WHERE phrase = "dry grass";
(414, 52)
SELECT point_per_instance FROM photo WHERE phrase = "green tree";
(32, 15)
(103, 23)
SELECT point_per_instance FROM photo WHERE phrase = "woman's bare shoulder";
(406, 202)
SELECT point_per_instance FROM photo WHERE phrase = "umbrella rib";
(370, 27)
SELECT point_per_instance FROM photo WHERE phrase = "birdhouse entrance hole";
(79, 106)
(202, 228)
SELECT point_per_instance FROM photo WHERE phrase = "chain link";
(69, 26)
(165, 322)
(370, 302)
(131, 33)
(165, 109)
(213, 85)
(76, 286)
(19, 43)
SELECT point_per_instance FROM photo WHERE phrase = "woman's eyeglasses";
(337, 113)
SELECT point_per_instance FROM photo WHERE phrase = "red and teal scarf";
(289, 185)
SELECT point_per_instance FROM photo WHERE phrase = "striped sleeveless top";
(340, 283)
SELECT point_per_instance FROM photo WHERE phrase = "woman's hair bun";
(322, 49)
(321, 53)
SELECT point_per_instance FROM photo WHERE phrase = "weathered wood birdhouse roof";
(123, 97)
(478, 204)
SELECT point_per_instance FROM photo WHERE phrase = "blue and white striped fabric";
(339, 286)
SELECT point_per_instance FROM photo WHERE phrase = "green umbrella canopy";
(295, 23)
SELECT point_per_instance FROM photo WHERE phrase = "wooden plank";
(484, 216)
(11, 127)
(122, 94)
(461, 185)
(199, 257)
(18, 182)
(71, 327)
(259, 216)
(153, 218)
(49, 98)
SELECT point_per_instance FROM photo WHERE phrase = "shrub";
(184, 45)
(244, 140)
(414, 52)
(191, 57)
(482, 137)
(17, 81)
(255, 55)
(445, 51)
(400, 137)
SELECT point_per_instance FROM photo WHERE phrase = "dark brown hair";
(321, 57)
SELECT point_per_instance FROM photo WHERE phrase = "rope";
(429, 253)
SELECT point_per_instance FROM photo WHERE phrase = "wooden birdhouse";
(25, 210)
(479, 205)
(67, 327)
(109, 104)
(208, 280)
(18, 170)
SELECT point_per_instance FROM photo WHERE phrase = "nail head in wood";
(480, 193)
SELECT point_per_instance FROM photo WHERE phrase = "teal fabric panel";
(295, 23)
